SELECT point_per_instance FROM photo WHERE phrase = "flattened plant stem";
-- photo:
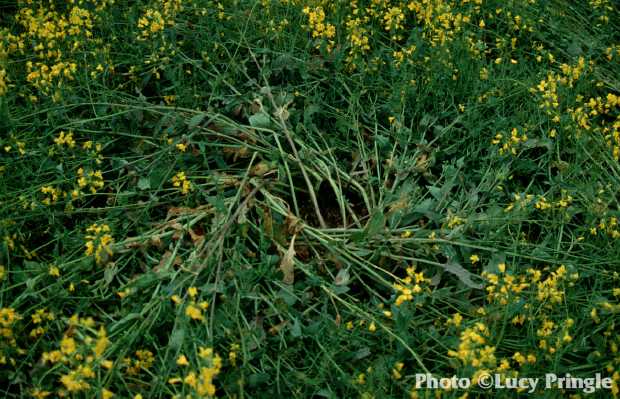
(282, 123)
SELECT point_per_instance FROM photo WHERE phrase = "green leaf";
(144, 183)
(296, 329)
(195, 120)
(376, 223)
(436, 192)
(109, 272)
(176, 338)
(260, 120)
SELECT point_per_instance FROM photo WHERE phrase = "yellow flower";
(205, 353)
(54, 271)
(65, 139)
(456, 319)
(519, 358)
(39, 394)
(182, 361)
(396, 371)
(474, 259)
(194, 312)
(102, 343)
(232, 355)
(67, 345)
(99, 242)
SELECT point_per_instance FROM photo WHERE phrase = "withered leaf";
(287, 264)
(463, 274)
(343, 277)
(197, 238)
(165, 259)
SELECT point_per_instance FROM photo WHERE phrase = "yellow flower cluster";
(509, 144)
(233, 354)
(51, 34)
(52, 39)
(143, 360)
(542, 203)
(20, 145)
(52, 195)
(607, 226)
(38, 318)
(412, 285)
(8, 318)
(393, 21)
(201, 382)
(99, 242)
(554, 336)
(522, 360)
(357, 35)
(94, 151)
(65, 139)
(539, 202)
(43, 76)
(153, 22)
(601, 115)
(80, 355)
(504, 288)
(320, 29)
(3, 82)
(538, 293)
(400, 55)
(596, 114)
(550, 291)
(397, 370)
(3, 58)
(93, 180)
(454, 220)
(602, 7)
(548, 88)
(438, 20)
(474, 350)
(180, 181)
(193, 309)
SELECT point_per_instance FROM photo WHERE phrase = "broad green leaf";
(260, 120)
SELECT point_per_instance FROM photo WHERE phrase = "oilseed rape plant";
(302, 198)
